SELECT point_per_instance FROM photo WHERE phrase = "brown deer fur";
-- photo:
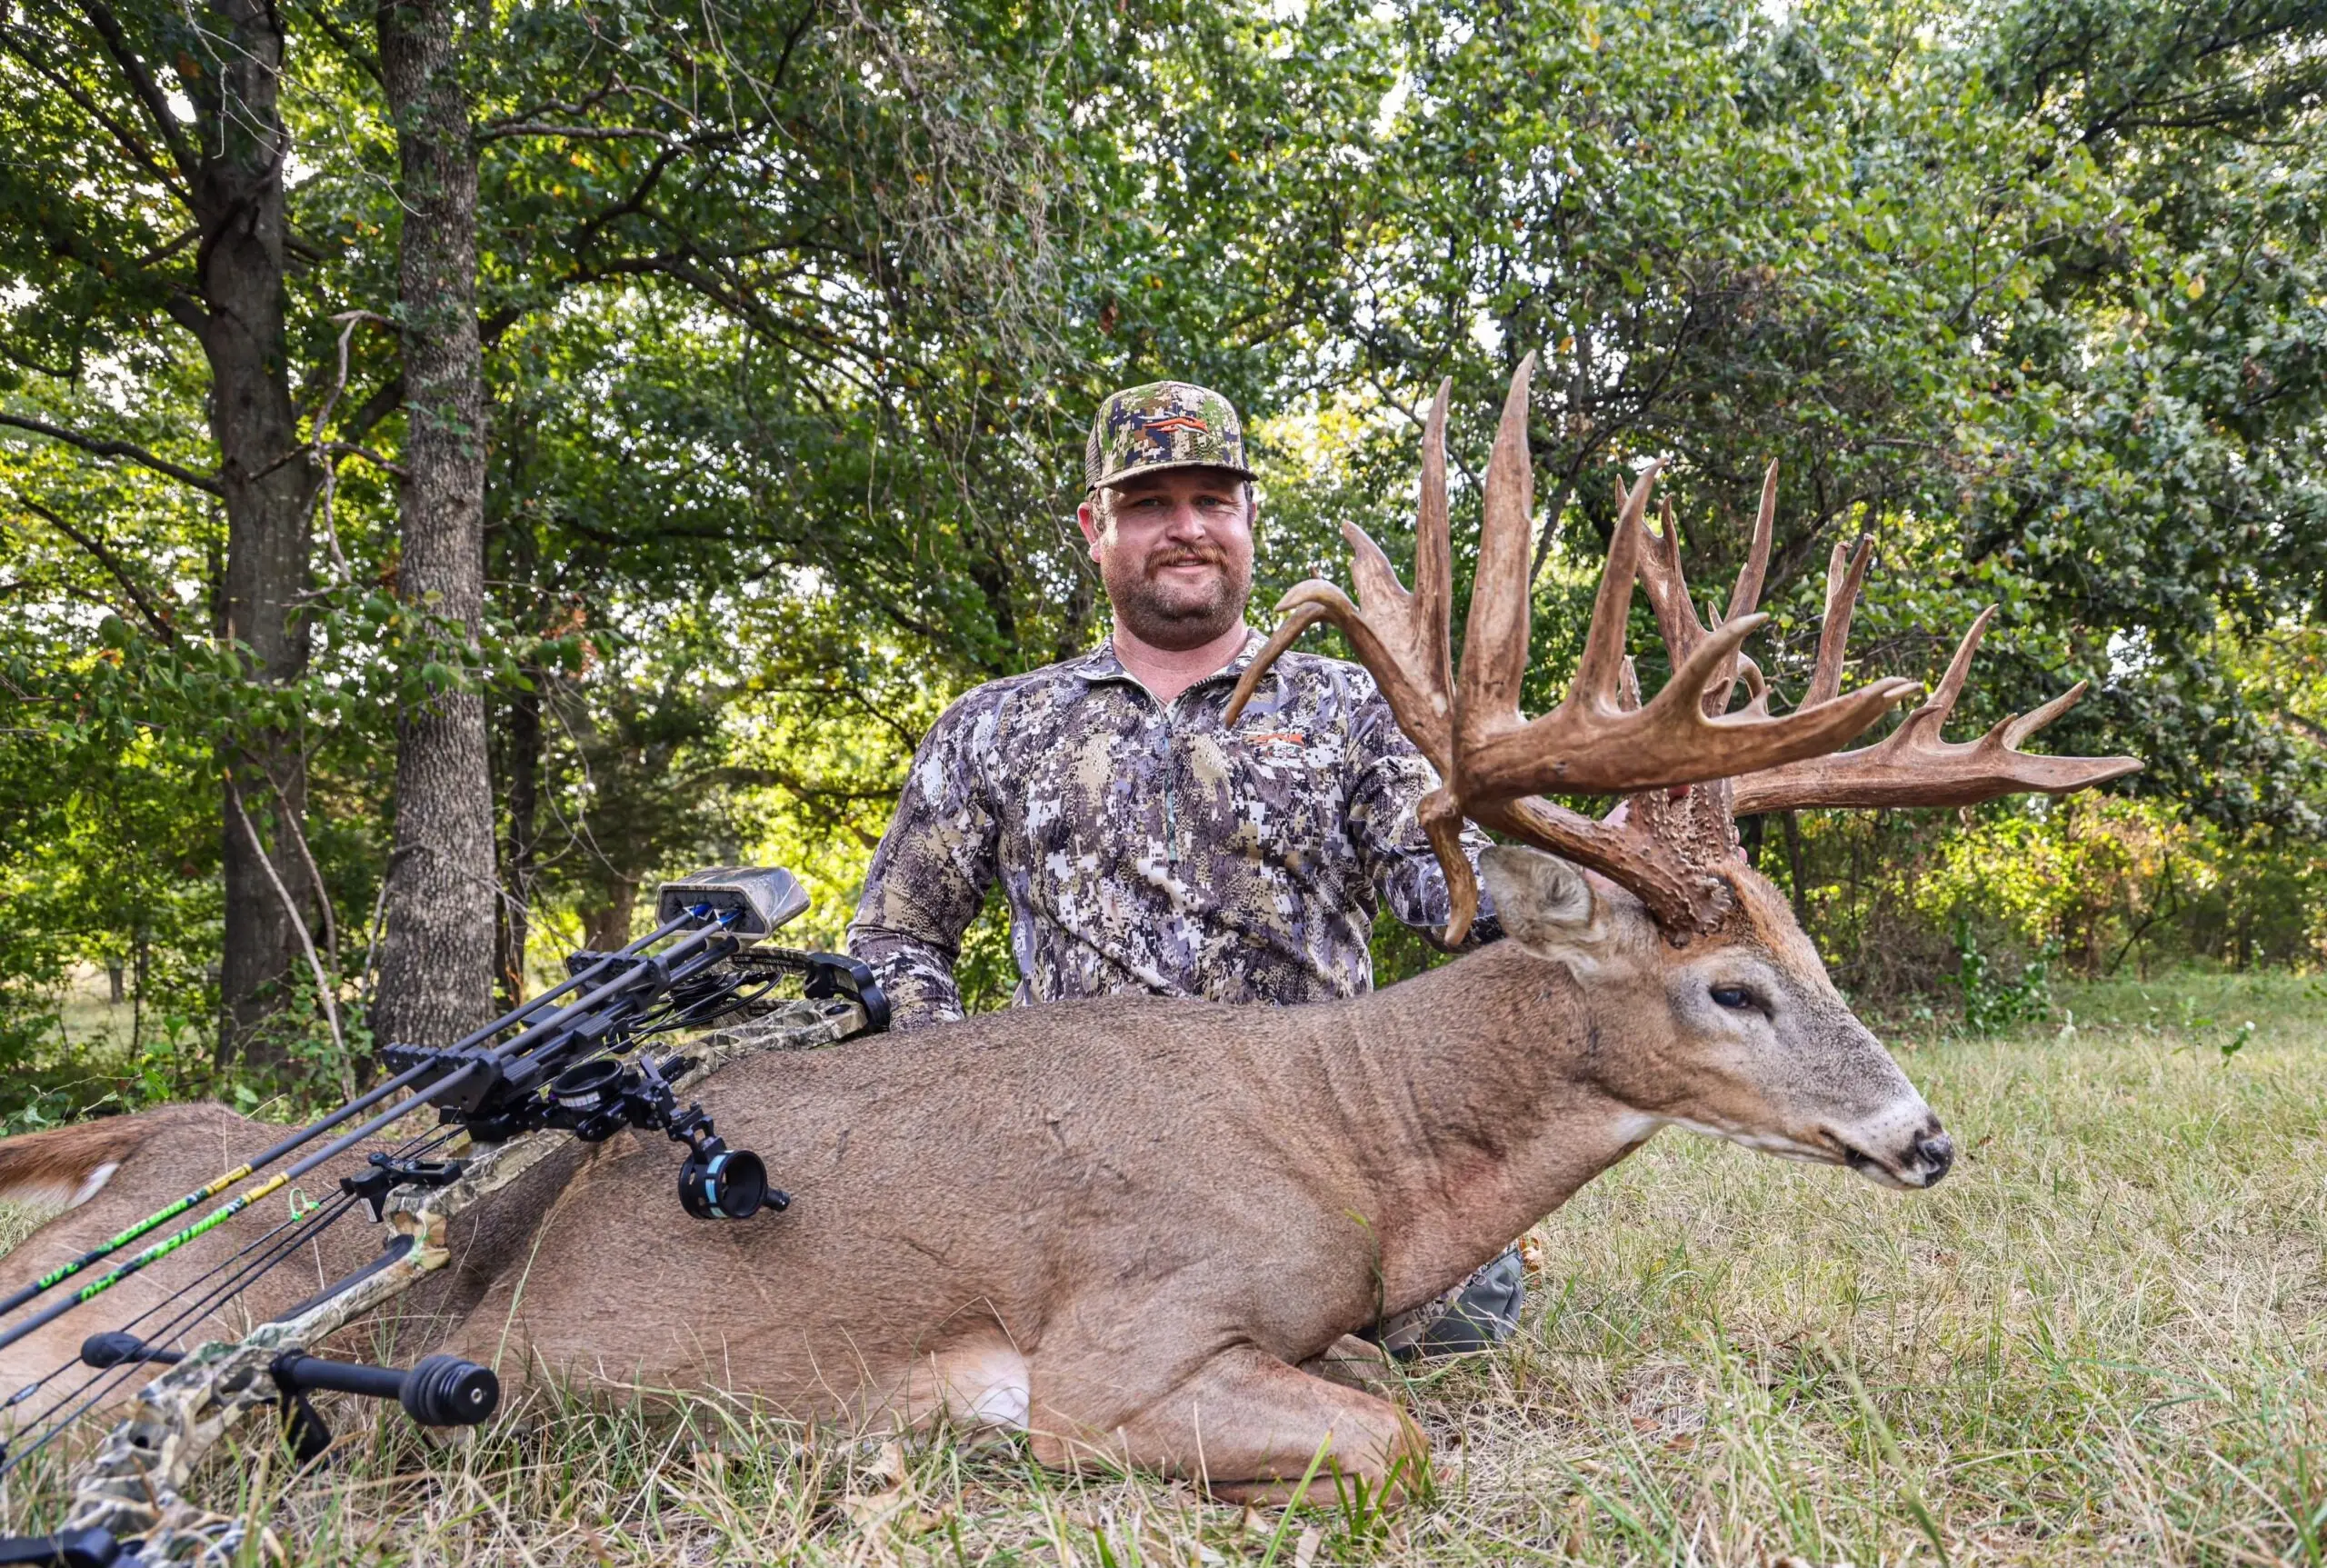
(1120, 1224)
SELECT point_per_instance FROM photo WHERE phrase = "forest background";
(462, 463)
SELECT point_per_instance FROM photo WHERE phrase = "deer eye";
(1735, 996)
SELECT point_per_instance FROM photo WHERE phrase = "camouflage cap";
(1163, 425)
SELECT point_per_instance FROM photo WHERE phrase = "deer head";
(1724, 1017)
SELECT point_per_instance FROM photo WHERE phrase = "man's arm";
(929, 876)
(1388, 780)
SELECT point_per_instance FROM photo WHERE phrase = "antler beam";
(1914, 765)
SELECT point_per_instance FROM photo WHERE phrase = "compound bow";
(572, 1064)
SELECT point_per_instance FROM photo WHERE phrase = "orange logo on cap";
(1179, 422)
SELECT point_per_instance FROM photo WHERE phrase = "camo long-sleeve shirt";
(1147, 848)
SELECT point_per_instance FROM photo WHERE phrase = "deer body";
(1123, 1225)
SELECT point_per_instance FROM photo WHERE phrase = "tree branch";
(2310, 729)
(322, 985)
(103, 446)
(377, 407)
(348, 44)
(153, 614)
(299, 842)
(576, 133)
(148, 91)
(130, 142)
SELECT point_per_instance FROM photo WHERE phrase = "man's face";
(1175, 552)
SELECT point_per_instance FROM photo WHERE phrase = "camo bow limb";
(132, 1489)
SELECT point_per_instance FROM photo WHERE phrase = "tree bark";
(522, 751)
(436, 953)
(514, 561)
(607, 926)
(238, 202)
(1797, 871)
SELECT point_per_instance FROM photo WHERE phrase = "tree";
(145, 186)
(436, 959)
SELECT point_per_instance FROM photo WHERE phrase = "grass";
(2100, 1342)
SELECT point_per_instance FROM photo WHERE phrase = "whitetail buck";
(1126, 1226)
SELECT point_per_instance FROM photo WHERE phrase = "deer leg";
(1248, 1427)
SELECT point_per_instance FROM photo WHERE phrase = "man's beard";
(1176, 615)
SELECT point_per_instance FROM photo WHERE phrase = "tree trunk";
(1797, 871)
(608, 927)
(237, 199)
(137, 991)
(522, 746)
(513, 560)
(437, 954)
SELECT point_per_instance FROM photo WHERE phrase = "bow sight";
(571, 1061)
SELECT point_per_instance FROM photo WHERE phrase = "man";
(1141, 843)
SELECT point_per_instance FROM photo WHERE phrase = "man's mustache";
(1185, 556)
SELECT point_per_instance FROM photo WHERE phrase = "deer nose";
(1936, 1151)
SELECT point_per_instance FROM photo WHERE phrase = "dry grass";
(2100, 1342)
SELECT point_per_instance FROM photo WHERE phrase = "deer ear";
(1544, 903)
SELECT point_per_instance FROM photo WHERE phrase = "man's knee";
(1477, 1314)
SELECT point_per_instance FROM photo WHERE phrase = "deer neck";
(1469, 1098)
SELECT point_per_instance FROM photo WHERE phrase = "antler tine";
(1933, 715)
(1916, 766)
(1668, 588)
(2010, 732)
(1667, 584)
(1747, 597)
(1845, 574)
(1307, 604)
(1597, 672)
(1495, 638)
(1400, 637)
(1434, 553)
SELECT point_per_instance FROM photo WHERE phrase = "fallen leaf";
(888, 1466)
(1578, 1525)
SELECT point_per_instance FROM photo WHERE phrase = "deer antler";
(1914, 765)
(1676, 616)
(1494, 759)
